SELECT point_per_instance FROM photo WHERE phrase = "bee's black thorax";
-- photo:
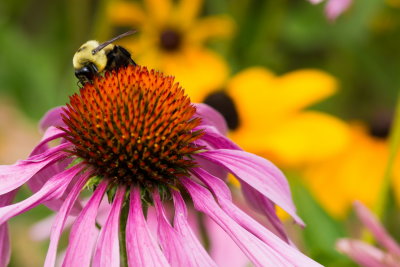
(118, 57)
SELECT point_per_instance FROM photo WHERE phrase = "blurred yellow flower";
(340, 162)
(356, 173)
(272, 120)
(172, 38)
(268, 115)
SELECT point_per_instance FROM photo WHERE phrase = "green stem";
(122, 235)
(394, 142)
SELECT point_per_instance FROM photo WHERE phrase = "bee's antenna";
(101, 46)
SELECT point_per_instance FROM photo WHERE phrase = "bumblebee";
(93, 58)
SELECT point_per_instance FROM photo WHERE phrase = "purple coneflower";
(133, 136)
(366, 254)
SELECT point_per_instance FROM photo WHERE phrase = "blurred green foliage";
(38, 39)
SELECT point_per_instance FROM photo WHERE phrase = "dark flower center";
(380, 124)
(170, 40)
(226, 106)
(134, 127)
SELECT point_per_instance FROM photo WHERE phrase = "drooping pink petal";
(52, 118)
(257, 251)
(84, 232)
(143, 250)
(222, 245)
(102, 213)
(54, 188)
(222, 193)
(182, 226)
(5, 250)
(365, 254)
(174, 247)
(217, 140)
(40, 231)
(372, 223)
(211, 117)
(50, 134)
(13, 176)
(257, 172)
(336, 7)
(61, 218)
(266, 207)
(41, 177)
(107, 250)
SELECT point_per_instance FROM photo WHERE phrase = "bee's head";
(88, 54)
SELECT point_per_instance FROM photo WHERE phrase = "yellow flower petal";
(159, 10)
(354, 174)
(260, 94)
(199, 71)
(299, 89)
(304, 138)
(220, 26)
(187, 11)
(249, 90)
(125, 14)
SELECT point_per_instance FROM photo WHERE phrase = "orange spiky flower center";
(133, 126)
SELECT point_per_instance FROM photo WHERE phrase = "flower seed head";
(133, 126)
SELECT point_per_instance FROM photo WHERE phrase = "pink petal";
(84, 232)
(40, 231)
(257, 172)
(52, 118)
(102, 213)
(222, 193)
(266, 207)
(372, 223)
(107, 251)
(50, 134)
(365, 254)
(222, 245)
(171, 241)
(257, 251)
(217, 140)
(13, 176)
(142, 249)
(211, 117)
(54, 188)
(41, 177)
(182, 226)
(336, 7)
(5, 250)
(212, 168)
(61, 218)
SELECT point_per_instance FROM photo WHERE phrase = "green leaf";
(321, 231)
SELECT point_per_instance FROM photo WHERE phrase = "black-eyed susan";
(355, 173)
(172, 38)
(267, 115)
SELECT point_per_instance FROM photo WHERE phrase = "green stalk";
(122, 235)
(394, 142)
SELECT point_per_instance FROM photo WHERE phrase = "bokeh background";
(314, 95)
